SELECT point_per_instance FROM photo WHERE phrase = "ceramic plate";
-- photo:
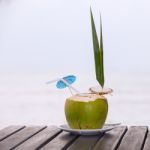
(106, 128)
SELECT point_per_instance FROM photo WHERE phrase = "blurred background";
(41, 40)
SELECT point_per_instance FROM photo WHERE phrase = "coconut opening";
(86, 97)
(98, 90)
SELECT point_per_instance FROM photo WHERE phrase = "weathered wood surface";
(62, 141)
(15, 139)
(84, 143)
(111, 140)
(9, 131)
(134, 138)
(147, 142)
(39, 139)
(52, 138)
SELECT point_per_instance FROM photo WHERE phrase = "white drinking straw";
(49, 82)
(70, 91)
(70, 86)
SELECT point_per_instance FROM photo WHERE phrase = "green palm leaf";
(98, 52)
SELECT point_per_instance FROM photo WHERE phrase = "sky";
(51, 36)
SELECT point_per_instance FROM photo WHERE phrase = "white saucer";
(106, 128)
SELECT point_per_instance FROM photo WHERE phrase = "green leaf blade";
(101, 54)
(98, 52)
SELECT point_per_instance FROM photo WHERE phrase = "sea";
(26, 99)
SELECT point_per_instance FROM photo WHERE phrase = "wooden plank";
(110, 139)
(147, 141)
(62, 141)
(4, 133)
(84, 142)
(19, 137)
(133, 139)
(39, 139)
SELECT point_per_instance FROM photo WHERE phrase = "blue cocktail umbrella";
(65, 82)
(69, 79)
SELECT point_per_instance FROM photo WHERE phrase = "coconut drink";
(88, 111)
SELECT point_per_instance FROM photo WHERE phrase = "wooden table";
(52, 138)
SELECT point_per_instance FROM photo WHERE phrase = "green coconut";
(86, 111)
